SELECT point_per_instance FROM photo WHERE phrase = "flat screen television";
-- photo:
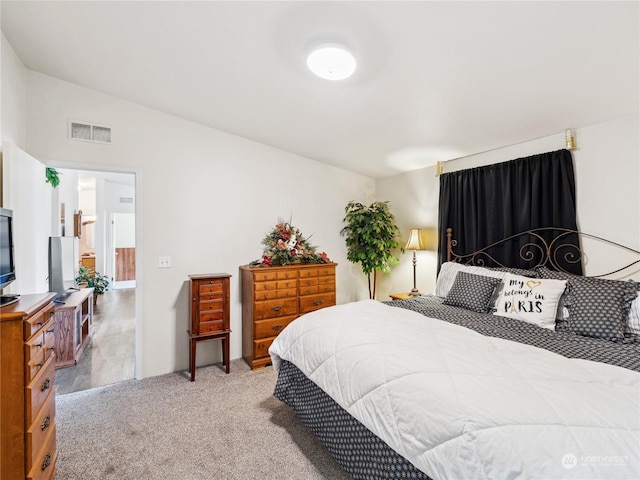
(7, 266)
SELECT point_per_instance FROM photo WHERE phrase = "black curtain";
(486, 204)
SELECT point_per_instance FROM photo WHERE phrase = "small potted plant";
(95, 280)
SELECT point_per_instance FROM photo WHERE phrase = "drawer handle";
(318, 302)
(45, 385)
(277, 327)
(46, 423)
(39, 345)
(46, 462)
(277, 308)
(51, 330)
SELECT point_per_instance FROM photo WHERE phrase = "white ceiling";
(435, 80)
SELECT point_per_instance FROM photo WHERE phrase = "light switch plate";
(164, 262)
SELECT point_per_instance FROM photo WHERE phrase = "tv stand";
(73, 321)
(8, 299)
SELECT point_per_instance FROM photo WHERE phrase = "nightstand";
(400, 296)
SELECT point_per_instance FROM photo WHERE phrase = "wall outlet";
(164, 262)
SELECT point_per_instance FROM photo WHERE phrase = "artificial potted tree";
(371, 235)
(95, 280)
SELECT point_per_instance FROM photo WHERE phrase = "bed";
(502, 373)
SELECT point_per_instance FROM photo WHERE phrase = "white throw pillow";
(633, 322)
(449, 271)
(532, 300)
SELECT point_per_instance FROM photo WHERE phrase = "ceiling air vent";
(126, 199)
(89, 133)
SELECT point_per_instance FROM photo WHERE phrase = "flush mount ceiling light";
(331, 62)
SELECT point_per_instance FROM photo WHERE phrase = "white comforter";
(459, 405)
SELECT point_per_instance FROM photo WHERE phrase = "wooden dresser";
(272, 297)
(209, 312)
(27, 393)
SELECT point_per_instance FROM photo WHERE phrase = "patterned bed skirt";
(355, 448)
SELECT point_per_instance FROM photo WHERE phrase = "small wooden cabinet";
(88, 262)
(209, 314)
(27, 394)
(272, 297)
(73, 318)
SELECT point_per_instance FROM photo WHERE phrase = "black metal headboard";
(542, 247)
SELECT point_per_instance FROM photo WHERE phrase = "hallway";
(110, 354)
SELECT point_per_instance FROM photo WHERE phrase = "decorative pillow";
(449, 270)
(597, 307)
(532, 300)
(472, 292)
(633, 323)
(516, 271)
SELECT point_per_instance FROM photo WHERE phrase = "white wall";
(607, 170)
(13, 96)
(29, 196)
(204, 197)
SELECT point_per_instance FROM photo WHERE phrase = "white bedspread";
(459, 405)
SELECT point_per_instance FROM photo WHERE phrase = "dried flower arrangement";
(285, 245)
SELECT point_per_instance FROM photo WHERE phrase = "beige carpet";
(218, 427)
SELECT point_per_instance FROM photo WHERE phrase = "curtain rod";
(569, 140)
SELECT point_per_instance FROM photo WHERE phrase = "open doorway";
(107, 203)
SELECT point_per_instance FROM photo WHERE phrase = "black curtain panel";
(486, 204)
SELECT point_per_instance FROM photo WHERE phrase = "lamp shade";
(415, 240)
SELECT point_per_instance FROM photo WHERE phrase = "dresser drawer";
(286, 284)
(286, 274)
(37, 321)
(38, 348)
(207, 287)
(44, 461)
(276, 308)
(309, 290)
(49, 339)
(211, 327)
(287, 293)
(271, 327)
(265, 286)
(261, 347)
(309, 282)
(208, 304)
(37, 390)
(211, 297)
(327, 271)
(327, 280)
(308, 272)
(326, 288)
(264, 276)
(315, 302)
(41, 427)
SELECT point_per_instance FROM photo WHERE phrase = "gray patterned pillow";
(472, 292)
(517, 271)
(597, 307)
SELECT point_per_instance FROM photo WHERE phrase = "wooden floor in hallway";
(110, 354)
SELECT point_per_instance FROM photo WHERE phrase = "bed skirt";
(362, 454)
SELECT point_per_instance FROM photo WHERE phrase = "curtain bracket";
(439, 168)
(569, 139)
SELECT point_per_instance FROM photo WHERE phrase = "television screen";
(7, 268)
